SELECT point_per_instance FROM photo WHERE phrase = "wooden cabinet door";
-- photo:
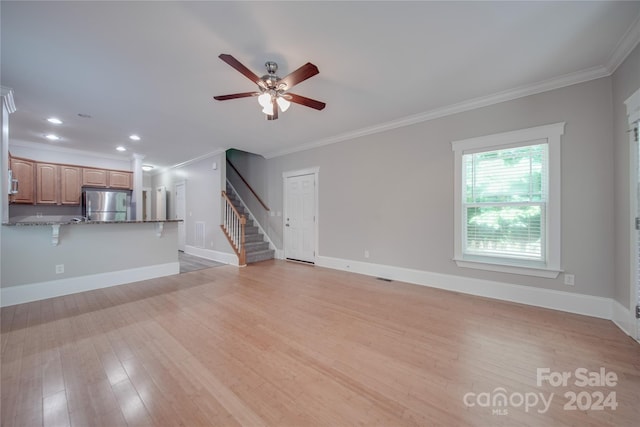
(24, 171)
(94, 177)
(70, 185)
(120, 179)
(47, 184)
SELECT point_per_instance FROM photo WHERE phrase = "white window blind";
(504, 203)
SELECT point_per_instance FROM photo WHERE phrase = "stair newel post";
(233, 226)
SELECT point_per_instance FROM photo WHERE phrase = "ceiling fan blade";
(303, 100)
(238, 66)
(301, 74)
(235, 95)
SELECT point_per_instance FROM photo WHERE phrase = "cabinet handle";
(14, 189)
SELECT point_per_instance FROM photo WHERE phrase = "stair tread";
(263, 251)
(256, 247)
(259, 242)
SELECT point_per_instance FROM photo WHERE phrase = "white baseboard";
(548, 298)
(623, 318)
(37, 291)
(223, 257)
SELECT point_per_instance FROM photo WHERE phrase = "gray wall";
(392, 193)
(203, 198)
(85, 249)
(626, 80)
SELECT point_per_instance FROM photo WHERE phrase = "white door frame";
(289, 174)
(182, 227)
(633, 115)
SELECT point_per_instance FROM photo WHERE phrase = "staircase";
(256, 248)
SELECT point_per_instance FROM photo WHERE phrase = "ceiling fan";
(273, 90)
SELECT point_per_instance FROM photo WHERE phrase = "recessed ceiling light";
(52, 137)
(121, 148)
(134, 137)
(147, 168)
(54, 120)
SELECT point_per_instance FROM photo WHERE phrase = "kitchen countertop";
(45, 222)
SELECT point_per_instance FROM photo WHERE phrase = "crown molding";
(625, 46)
(472, 104)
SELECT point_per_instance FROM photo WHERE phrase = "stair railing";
(233, 226)
(248, 186)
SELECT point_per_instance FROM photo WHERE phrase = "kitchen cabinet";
(57, 184)
(47, 184)
(94, 177)
(70, 184)
(24, 172)
(105, 178)
(120, 179)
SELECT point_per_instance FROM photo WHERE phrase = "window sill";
(547, 273)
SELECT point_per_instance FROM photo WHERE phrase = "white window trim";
(552, 134)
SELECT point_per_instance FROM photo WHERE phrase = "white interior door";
(181, 210)
(300, 201)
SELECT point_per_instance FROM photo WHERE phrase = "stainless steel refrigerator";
(106, 205)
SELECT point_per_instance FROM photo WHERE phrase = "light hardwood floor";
(285, 344)
(189, 263)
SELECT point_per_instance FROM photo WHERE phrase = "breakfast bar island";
(45, 257)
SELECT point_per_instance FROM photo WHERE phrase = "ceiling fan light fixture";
(272, 89)
(268, 109)
(265, 99)
(283, 104)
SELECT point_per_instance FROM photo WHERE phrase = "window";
(507, 201)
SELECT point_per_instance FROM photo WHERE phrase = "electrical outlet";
(569, 279)
(59, 268)
(366, 253)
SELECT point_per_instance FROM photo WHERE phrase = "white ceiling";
(152, 67)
